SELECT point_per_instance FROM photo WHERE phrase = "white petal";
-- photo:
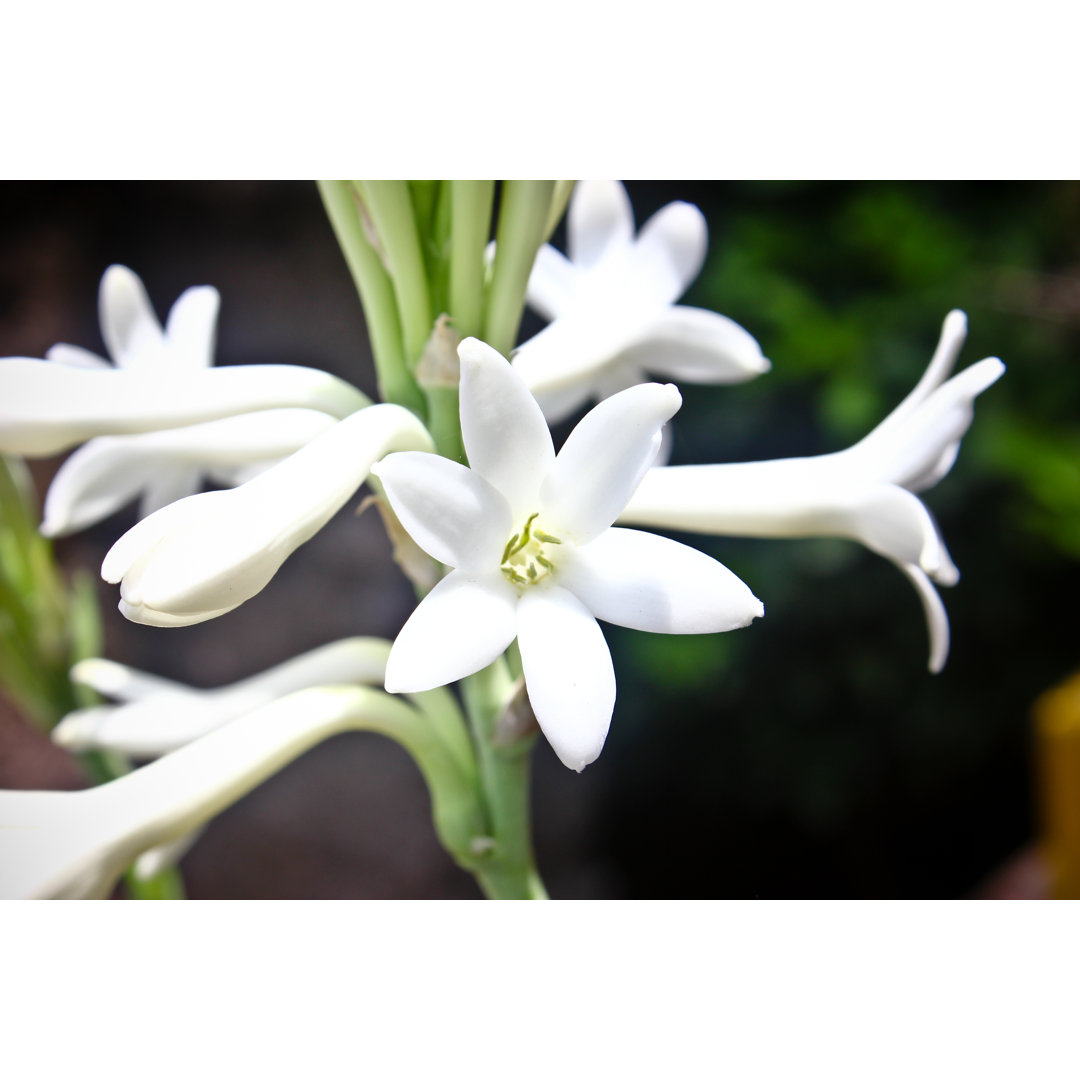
(120, 681)
(94, 482)
(109, 471)
(693, 345)
(74, 356)
(552, 283)
(506, 437)
(670, 249)
(568, 673)
(191, 328)
(461, 626)
(894, 523)
(207, 554)
(148, 728)
(910, 453)
(793, 497)
(452, 512)
(169, 485)
(937, 620)
(129, 326)
(599, 220)
(648, 582)
(604, 459)
(953, 335)
(46, 407)
(162, 715)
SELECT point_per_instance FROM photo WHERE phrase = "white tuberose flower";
(161, 379)
(528, 534)
(133, 336)
(865, 493)
(205, 555)
(75, 844)
(164, 466)
(613, 311)
(157, 716)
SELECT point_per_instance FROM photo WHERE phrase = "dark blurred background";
(810, 755)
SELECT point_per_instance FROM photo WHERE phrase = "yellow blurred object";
(1057, 724)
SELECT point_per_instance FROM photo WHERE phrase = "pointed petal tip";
(70, 733)
(955, 322)
(473, 351)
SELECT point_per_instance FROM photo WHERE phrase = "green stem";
(444, 421)
(563, 190)
(523, 217)
(509, 872)
(390, 206)
(470, 228)
(396, 383)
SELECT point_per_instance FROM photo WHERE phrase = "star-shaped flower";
(867, 492)
(613, 311)
(528, 535)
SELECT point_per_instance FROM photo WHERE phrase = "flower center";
(526, 557)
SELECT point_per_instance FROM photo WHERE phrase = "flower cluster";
(529, 540)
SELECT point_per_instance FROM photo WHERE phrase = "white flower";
(534, 558)
(865, 493)
(133, 336)
(205, 555)
(613, 311)
(164, 466)
(157, 716)
(75, 844)
(161, 379)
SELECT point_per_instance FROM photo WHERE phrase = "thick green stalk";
(563, 190)
(470, 229)
(509, 872)
(523, 217)
(390, 206)
(396, 383)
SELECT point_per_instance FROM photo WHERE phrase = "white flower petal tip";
(205, 555)
(568, 674)
(612, 306)
(937, 620)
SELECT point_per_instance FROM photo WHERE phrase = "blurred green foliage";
(45, 625)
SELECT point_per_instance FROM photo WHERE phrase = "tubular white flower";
(613, 311)
(528, 535)
(161, 467)
(206, 554)
(47, 407)
(161, 379)
(75, 844)
(864, 493)
(157, 716)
